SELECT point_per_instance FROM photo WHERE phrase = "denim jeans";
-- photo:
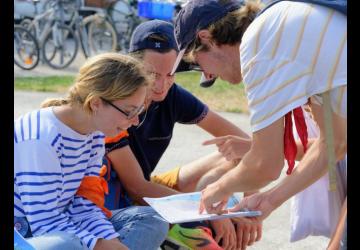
(56, 241)
(139, 227)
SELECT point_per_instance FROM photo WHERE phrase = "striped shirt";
(289, 53)
(50, 160)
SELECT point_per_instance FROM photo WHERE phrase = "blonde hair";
(229, 29)
(111, 76)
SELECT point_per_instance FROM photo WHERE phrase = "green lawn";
(222, 96)
(46, 84)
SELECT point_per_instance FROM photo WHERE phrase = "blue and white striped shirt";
(50, 160)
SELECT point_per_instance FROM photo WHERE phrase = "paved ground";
(185, 147)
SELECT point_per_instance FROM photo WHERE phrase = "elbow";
(273, 176)
(270, 170)
(136, 192)
(270, 176)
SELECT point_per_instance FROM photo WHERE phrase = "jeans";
(139, 227)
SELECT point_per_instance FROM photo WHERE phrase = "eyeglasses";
(129, 115)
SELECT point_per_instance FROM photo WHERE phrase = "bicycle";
(102, 36)
(101, 33)
(56, 40)
(26, 49)
(124, 17)
(79, 27)
(121, 19)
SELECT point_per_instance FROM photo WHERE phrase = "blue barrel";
(162, 10)
(144, 8)
(21, 243)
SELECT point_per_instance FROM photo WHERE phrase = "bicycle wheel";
(102, 36)
(26, 49)
(60, 47)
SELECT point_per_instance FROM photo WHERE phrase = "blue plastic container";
(21, 243)
(156, 9)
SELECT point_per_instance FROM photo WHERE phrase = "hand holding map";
(185, 208)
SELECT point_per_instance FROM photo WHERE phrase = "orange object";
(28, 60)
(93, 188)
(116, 138)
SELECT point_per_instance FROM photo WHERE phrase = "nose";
(159, 84)
(205, 77)
(209, 76)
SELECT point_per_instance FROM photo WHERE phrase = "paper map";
(185, 208)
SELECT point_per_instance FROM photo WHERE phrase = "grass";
(45, 84)
(222, 96)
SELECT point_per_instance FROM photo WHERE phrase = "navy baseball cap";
(197, 15)
(140, 38)
(186, 66)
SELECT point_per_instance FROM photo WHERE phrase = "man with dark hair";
(135, 155)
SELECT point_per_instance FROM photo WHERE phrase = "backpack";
(117, 197)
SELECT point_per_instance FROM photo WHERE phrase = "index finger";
(201, 207)
(219, 208)
(217, 140)
(236, 208)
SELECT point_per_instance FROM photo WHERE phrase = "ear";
(204, 36)
(95, 104)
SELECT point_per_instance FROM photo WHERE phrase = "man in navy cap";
(294, 53)
(134, 157)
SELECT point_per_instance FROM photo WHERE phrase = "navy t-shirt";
(149, 141)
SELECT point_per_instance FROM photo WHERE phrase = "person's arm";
(310, 168)
(314, 163)
(259, 166)
(230, 140)
(189, 109)
(231, 147)
(300, 149)
(219, 126)
(337, 236)
(131, 176)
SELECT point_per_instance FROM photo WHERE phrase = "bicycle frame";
(35, 24)
(132, 19)
(76, 22)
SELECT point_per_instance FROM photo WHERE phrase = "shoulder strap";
(329, 140)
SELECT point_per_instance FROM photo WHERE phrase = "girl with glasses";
(58, 149)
